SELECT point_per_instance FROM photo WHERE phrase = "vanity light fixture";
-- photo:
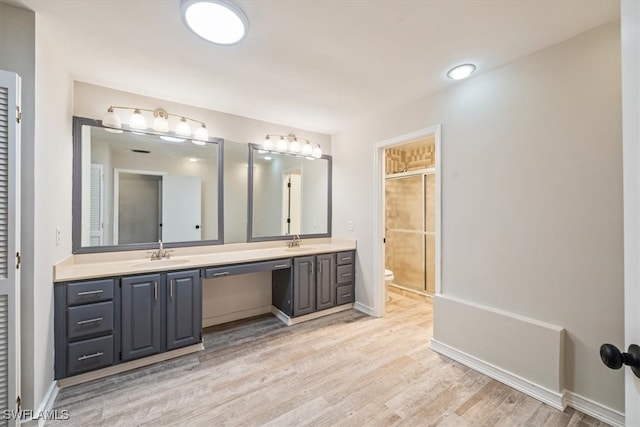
(216, 21)
(461, 72)
(291, 144)
(112, 121)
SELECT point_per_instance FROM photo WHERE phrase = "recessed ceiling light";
(191, 159)
(267, 157)
(461, 72)
(217, 21)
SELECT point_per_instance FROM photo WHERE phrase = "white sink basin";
(162, 263)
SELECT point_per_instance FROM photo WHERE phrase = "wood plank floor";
(346, 369)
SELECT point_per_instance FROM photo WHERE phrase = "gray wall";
(531, 197)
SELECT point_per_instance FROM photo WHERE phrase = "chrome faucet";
(295, 243)
(160, 253)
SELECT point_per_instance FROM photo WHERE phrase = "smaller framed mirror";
(288, 195)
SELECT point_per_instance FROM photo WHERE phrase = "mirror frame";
(250, 237)
(76, 226)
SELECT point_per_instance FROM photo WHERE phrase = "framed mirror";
(131, 189)
(288, 195)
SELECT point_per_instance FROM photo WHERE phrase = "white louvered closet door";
(9, 243)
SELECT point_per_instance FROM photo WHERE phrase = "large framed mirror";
(236, 184)
(288, 195)
(131, 189)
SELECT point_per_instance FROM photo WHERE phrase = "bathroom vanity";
(111, 316)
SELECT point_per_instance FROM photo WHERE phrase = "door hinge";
(19, 404)
(288, 184)
(18, 260)
(18, 114)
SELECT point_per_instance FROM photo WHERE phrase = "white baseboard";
(594, 409)
(236, 315)
(45, 406)
(551, 398)
(365, 309)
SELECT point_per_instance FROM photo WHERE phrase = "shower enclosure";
(410, 206)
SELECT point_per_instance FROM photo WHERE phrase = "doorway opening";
(407, 215)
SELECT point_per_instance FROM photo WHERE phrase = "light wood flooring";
(345, 369)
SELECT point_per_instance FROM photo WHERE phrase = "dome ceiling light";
(461, 72)
(216, 21)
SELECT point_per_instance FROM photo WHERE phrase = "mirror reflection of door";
(181, 208)
(139, 199)
(96, 221)
(291, 202)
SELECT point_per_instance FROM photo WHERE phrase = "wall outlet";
(58, 236)
(350, 226)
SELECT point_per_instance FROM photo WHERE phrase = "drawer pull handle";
(90, 356)
(171, 289)
(347, 258)
(223, 273)
(346, 274)
(346, 295)
(155, 291)
(281, 266)
(82, 294)
(84, 322)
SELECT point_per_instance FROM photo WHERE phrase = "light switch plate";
(350, 226)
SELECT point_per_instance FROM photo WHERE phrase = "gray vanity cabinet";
(141, 316)
(184, 308)
(304, 285)
(313, 285)
(325, 281)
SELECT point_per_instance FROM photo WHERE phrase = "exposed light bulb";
(137, 120)
(183, 128)
(282, 144)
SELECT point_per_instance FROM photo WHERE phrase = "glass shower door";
(405, 250)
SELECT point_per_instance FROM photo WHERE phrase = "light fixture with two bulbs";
(138, 122)
(291, 144)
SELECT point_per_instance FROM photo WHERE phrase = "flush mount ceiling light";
(216, 21)
(461, 72)
(113, 123)
(291, 144)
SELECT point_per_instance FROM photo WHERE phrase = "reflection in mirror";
(236, 171)
(289, 195)
(134, 189)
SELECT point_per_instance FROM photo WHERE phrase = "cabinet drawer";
(90, 291)
(344, 274)
(89, 354)
(278, 264)
(345, 258)
(90, 319)
(345, 294)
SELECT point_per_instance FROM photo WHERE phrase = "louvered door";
(9, 243)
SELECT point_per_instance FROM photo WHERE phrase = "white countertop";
(87, 266)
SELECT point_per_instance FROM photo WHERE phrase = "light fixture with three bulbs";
(137, 121)
(291, 144)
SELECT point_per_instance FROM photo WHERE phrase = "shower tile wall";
(410, 215)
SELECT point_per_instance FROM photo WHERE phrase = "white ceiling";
(314, 64)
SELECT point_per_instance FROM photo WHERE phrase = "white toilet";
(388, 279)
